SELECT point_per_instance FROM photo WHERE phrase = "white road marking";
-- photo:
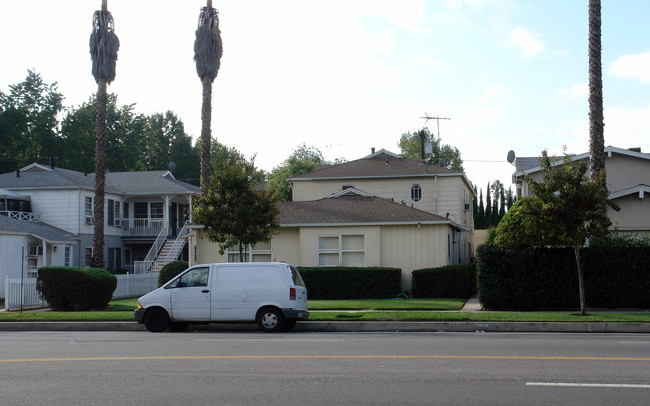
(589, 385)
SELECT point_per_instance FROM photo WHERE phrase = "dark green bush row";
(615, 276)
(69, 288)
(454, 281)
(169, 271)
(351, 283)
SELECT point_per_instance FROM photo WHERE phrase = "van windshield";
(295, 275)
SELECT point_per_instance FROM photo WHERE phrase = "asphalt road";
(252, 368)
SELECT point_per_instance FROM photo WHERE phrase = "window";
(156, 210)
(111, 213)
(89, 210)
(114, 259)
(35, 250)
(66, 256)
(233, 253)
(416, 193)
(194, 277)
(88, 256)
(260, 252)
(341, 250)
(140, 210)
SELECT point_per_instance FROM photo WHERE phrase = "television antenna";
(427, 118)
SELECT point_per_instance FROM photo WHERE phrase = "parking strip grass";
(438, 310)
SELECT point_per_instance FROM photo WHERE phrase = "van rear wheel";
(270, 320)
(156, 320)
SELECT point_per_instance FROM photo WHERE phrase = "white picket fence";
(128, 286)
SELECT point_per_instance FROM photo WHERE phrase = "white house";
(146, 212)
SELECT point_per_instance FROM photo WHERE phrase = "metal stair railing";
(179, 243)
(146, 265)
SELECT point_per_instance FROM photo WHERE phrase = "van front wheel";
(270, 320)
(156, 320)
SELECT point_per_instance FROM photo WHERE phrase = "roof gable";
(37, 176)
(353, 209)
(382, 164)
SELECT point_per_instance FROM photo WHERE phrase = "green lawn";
(355, 310)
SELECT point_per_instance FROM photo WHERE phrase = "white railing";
(127, 286)
(179, 243)
(142, 227)
(21, 215)
(22, 294)
(145, 266)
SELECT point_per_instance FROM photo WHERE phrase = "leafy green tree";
(29, 127)
(302, 160)
(571, 206)
(411, 147)
(232, 213)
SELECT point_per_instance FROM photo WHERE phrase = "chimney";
(372, 150)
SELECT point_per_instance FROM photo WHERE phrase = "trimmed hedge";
(334, 283)
(169, 271)
(616, 275)
(453, 281)
(70, 288)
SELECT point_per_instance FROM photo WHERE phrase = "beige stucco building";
(628, 182)
(378, 211)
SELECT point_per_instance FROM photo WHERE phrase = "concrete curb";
(351, 326)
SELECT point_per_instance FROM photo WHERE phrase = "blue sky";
(346, 76)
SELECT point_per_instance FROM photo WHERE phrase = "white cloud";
(633, 67)
(576, 91)
(529, 43)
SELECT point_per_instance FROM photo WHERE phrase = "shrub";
(169, 271)
(616, 275)
(70, 288)
(454, 281)
(351, 283)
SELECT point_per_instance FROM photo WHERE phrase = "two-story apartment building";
(628, 183)
(144, 211)
(381, 210)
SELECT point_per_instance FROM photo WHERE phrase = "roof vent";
(636, 149)
(386, 160)
(18, 173)
(372, 150)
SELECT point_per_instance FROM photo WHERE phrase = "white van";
(271, 294)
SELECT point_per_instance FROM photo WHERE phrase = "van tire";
(270, 319)
(156, 320)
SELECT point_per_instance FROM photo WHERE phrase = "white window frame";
(340, 250)
(250, 253)
(415, 187)
(88, 256)
(89, 209)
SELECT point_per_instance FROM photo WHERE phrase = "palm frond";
(208, 47)
(104, 45)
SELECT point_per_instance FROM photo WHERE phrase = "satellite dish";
(511, 156)
(443, 162)
(172, 166)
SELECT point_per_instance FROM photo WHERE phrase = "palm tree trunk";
(206, 133)
(596, 120)
(100, 176)
(581, 286)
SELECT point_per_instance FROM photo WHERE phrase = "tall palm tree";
(103, 52)
(596, 121)
(207, 54)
